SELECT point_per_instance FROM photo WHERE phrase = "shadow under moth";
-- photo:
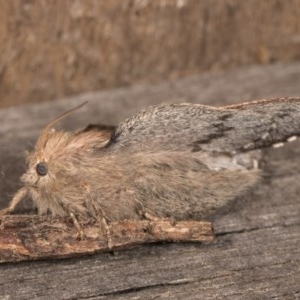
(176, 162)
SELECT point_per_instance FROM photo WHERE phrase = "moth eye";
(41, 169)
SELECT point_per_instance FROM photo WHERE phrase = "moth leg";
(99, 215)
(14, 202)
(97, 212)
(107, 229)
(5, 211)
(80, 233)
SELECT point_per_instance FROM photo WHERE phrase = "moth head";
(39, 161)
(36, 171)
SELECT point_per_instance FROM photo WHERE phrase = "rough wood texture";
(32, 237)
(257, 251)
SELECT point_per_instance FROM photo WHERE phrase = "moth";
(178, 161)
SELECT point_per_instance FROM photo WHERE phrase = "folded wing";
(194, 127)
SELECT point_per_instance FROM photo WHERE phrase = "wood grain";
(256, 254)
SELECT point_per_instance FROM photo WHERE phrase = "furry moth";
(180, 161)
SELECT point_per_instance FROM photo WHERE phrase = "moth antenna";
(44, 135)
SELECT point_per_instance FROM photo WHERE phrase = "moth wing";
(194, 127)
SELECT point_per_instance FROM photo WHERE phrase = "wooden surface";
(257, 251)
(31, 237)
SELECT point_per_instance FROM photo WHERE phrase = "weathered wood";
(257, 250)
(32, 237)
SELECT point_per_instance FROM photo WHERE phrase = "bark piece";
(26, 237)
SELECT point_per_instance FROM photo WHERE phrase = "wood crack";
(255, 228)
